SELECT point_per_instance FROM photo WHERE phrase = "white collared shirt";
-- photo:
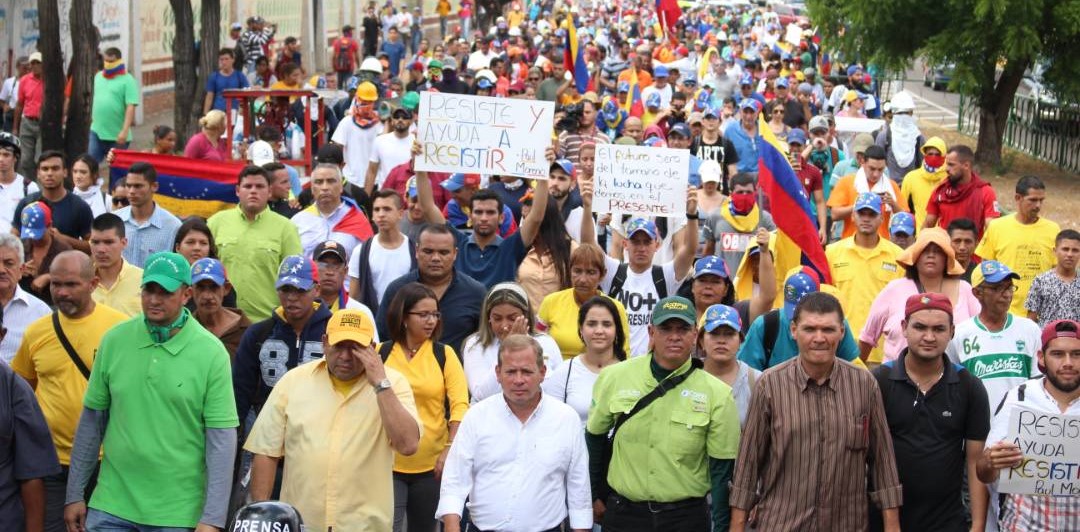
(518, 477)
(21, 311)
(316, 228)
(479, 363)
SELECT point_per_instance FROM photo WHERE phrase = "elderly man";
(20, 308)
(331, 217)
(539, 485)
(337, 423)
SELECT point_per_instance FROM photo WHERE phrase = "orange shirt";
(644, 79)
(844, 195)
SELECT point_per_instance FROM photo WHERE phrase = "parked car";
(938, 77)
(791, 14)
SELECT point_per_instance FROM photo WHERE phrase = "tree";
(192, 65)
(52, 65)
(991, 42)
(84, 50)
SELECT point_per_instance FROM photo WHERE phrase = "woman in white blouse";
(84, 174)
(506, 311)
(602, 332)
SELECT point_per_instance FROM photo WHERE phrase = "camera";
(571, 120)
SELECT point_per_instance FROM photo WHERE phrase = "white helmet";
(902, 102)
(371, 64)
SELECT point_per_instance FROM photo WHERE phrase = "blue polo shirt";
(495, 263)
(745, 146)
(752, 350)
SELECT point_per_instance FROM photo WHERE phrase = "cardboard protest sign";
(1051, 446)
(483, 135)
(640, 180)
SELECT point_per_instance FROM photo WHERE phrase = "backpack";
(620, 279)
(771, 332)
(439, 349)
(342, 58)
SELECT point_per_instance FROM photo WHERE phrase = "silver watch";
(382, 386)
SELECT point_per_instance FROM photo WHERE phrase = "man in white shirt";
(481, 58)
(20, 308)
(330, 217)
(385, 257)
(9, 93)
(390, 149)
(519, 457)
(13, 186)
(357, 131)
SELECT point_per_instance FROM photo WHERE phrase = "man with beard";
(938, 415)
(1055, 394)
(963, 195)
(390, 149)
(47, 360)
(901, 138)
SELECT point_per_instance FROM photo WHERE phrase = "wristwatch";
(382, 386)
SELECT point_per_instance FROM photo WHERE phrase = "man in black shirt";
(71, 216)
(712, 146)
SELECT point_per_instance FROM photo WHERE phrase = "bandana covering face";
(114, 68)
(363, 114)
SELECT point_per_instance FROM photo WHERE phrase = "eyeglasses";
(427, 315)
(1001, 290)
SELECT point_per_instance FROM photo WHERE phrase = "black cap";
(330, 153)
(332, 247)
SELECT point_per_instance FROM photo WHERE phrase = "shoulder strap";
(67, 346)
(659, 282)
(385, 349)
(664, 387)
(439, 349)
(566, 386)
(619, 280)
(772, 331)
(1019, 397)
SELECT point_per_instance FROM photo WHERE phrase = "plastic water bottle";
(287, 147)
(238, 140)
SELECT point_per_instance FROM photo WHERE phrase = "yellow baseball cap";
(350, 324)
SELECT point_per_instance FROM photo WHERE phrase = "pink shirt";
(199, 147)
(887, 312)
(31, 96)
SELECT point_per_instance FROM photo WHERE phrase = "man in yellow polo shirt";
(337, 423)
(119, 283)
(45, 363)
(862, 264)
(1023, 240)
(670, 454)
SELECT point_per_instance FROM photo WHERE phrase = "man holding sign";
(1029, 412)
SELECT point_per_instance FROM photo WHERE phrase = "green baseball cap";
(167, 269)
(674, 308)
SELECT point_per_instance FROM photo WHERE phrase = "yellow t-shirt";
(58, 383)
(859, 274)
(431, 387)
(915, 193)
(1027, 249)
(125, 294)
(559, 314)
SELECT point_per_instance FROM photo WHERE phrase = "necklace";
(927, 384)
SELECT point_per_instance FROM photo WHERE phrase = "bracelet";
(692, 216)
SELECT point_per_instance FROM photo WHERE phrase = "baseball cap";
(565, 165)
(208, 268)
(992, 271)
(239, 26)
(711, 265)
(861, 142)
(695, 118)
(456, 181)
(797, 287)
(330, 153)
(350, 324)
(410, 187)
(868, 200)
(296, 271)
(902, 222)
(660, 71)
(36, 56)
(711, 110)
(261, 153)
(819, 123)
(411, 101)
(750, 103)
(852, 95)
(168, 270)
(624, 86)
(674, 308)
(1054, 330)
(710, 171)
(796, 136)
(783, 82)
(720, 315)
(653, 100)
(927, 301)
(680, 129)
(809, 71)
(641, 224)
(746, 79)
(35, 221)
(484, 83)
(435, 63)
(332, 247)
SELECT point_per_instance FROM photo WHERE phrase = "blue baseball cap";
(410, 187)
(796, 136)
(298, 272)
(797, 287)
(610, 110)
(653, 100)
(563, 164)
(208, 268)
(624, 86)
(352, 83)
(720, 315)
(458, 180)
(484, 83)
(992, 271)
(868, 200)
(34, 221)
(783, 82)
(711, 110)
(642, 224)
(902, 222)
(660, 71)
(679, 129)
(711, 265)
(749, 103)
(746, 79)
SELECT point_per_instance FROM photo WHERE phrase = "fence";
(1045, 131)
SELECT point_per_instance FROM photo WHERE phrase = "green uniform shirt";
(111, 98)
(662, 453)
(253, 251)
(161, 398)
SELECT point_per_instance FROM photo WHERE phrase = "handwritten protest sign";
(482, 135)
(1051, 447)
(639, 180)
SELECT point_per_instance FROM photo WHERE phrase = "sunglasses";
(123, 202)
(534, 79)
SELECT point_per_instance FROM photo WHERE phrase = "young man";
(119, 282)
(869, 178)
(13, 185)
(1055, 294)
(810, 177)
(1023, 240)
(963, 195)
(390, 149)
(345, 55)
(71, 215)
(27, 116)
(357, 133)
(963, 238)
(729, 231)
(919, 184)
(711, 145)
(385, 257)
(226, 77)
(116, 93)
(938, 415)
(148, 226)
(41, 248)
(280, 200)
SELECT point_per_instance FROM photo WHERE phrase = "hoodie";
(919, 184)
(268, 350)
(975, 200)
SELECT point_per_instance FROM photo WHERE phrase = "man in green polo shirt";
(252, 240)
(671, 453)
(164, 385)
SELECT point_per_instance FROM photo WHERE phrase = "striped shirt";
(807, 445)
(155, 234)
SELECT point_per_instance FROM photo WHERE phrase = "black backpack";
(620, 279)
(771, 333)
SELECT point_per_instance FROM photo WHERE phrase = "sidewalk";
(143, 134)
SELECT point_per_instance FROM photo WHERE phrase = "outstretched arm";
(424, 195)
(531, 224)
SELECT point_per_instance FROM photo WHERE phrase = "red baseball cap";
(927, 301)
(1054, 330)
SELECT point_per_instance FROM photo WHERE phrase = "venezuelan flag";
(633, 104)
(186, 187)
(797, 241)
(574, 57)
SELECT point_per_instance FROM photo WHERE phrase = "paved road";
(936, 107)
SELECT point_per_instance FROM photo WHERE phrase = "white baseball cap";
(261, 152)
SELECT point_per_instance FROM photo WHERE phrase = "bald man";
(634, 129)
(59, 381)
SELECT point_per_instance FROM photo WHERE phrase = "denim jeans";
(98, 148)
(99, 521)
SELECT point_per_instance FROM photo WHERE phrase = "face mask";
(743, 202)
(933, 162)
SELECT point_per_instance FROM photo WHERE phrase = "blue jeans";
(98, 148)
(99, 521)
